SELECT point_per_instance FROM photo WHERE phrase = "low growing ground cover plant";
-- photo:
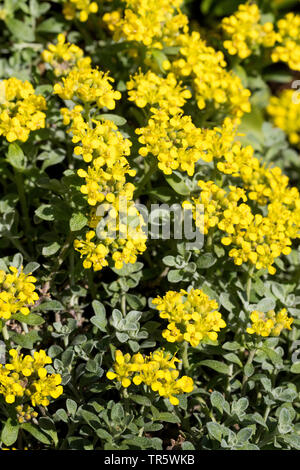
(149, 218)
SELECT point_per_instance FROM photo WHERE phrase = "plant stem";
(249, 283)
(249, 361)
(185, 357)
(62, 255)
(146, 178)
(91, 284)
(20, 187)
(123, 304)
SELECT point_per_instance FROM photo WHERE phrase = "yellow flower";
(150, 23)
(270, 323)
(150, 89)
(288, 49)
(192, 316)
(26, 377)
(245, 31)
(80, 8)
(174, 140)
(20, 110)
(17, 292)
(64, 56)
(211, 81)
(157, 371)
(88, 85)
(285, 113)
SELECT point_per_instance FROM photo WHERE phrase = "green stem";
(146, 178)
(62, 255)
(249, 361)
(92, 284)
(19, 247)
(185, 357)
(123, 304)
(20, 187)
(249, 283)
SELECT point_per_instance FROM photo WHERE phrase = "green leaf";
(295, 368)
(20, 30)
(31, 267)
(78, 221)
(205, 261)
(51, 25)
(169, 261)
(51, 249)
(45, 212)
(10, 432)
(257, 418)
(71, 406)
(293, 440)
(273, 356)
(50, 305)
(26, 341)
(244, 434)
(186, 445)
(99, 320)
(36, 433)
(15, 157)
(249, 370)
(90, 418)
(168, 417)
(140, 400)
(266, 304)
(30, 319)
(215, 430)
(117, 413)
(178, 184)
(217, 400)
(225, 301)
(117, 120)
(62, 415)
(218, 366)
(175, 275)
(47, 425)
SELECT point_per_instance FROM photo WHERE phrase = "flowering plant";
(149, 218)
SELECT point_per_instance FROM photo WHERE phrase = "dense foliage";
(120, 115)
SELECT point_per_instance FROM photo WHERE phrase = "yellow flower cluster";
(90, 86)
(174, 140)
(80, 8)
(270, 323)
(157, 26)
(20, 110)
(17, 291)
(118, 224)
(64, 56)
(288, 50)
(26, 378)
(150, 89)
(210, 79)
(221, 146)
(148, 22)
(285, 112)
(192, 316)
(254, 238)
(105, 149)
(157, 371)
(246, 33)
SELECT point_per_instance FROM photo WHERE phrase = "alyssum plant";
(113, 337)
